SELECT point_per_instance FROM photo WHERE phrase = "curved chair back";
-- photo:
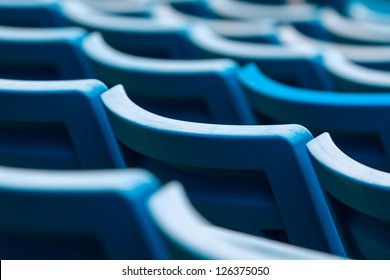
(57, 124)
(77, 215)
(255, 179)
(290, 65)
(37, 13)
(199, 90)
(42, 54)
(359, 199)
(358, 121)
(151, 37)
(190, 236)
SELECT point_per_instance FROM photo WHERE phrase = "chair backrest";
(358, 121)
(371, 56)
(194, 90)
(36, 13)
(359, 199)
(152, 37)
(57, 124)
(240, 10)
(255, 179)
(188, 235)
(253, 30)
(376, 11)
(290, 65)
(42, 53)
(77, 215)
(351, 31)
(351, 77)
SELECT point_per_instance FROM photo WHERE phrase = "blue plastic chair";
(296, 65)
(234, 9)
(258, 31)
(77, 215)
(351, 31)
(359, 199)
(55, 125)
(131, 8)
(151, 37)
(38, 13)
(42, 54)
(198, 90)
(255, 179)
(190, 236)
(377, 57)
(351, 77)
(370, 11)
(357, 121)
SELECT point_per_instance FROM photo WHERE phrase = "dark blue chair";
(151, 37)
(351, 77)
(194, 90)
(359, 199)
(357, 121)
(40, 13)
(298, 65)
(254, 179)
(77, 215)
(55, 125)
(188, 235)
(42, 54)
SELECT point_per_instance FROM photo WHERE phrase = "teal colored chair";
(194, 90)
(357, 121)
(55, 125)
(42, 54)
(77, 215)
(38, 13)
(297, 65)
(254, 179)
(188, 235)
(351, 77)
(151, 37)
(358, 197)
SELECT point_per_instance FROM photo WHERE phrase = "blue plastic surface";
(77, 215)
(42, 54)
(55, 125)
(359, 198)
(357, 121)
(255, 179)
(199, 90)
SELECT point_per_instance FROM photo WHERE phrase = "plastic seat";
(240, 10)
(255, 179)
(151, 37)
(55, 125)
(376, 11)
(357, 121)
(359, 199)
(297, 65)
(77, 215)
(350, 77)
(253, 30)
(371, 56)
(133, 8)
(197, 90)
(30, 13)
(42, 54)
(351, 31)
(198, 239)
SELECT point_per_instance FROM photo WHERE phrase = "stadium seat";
(55, 125)
(194, 90)
(359, 199)
(255, 179)
(77, 215)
